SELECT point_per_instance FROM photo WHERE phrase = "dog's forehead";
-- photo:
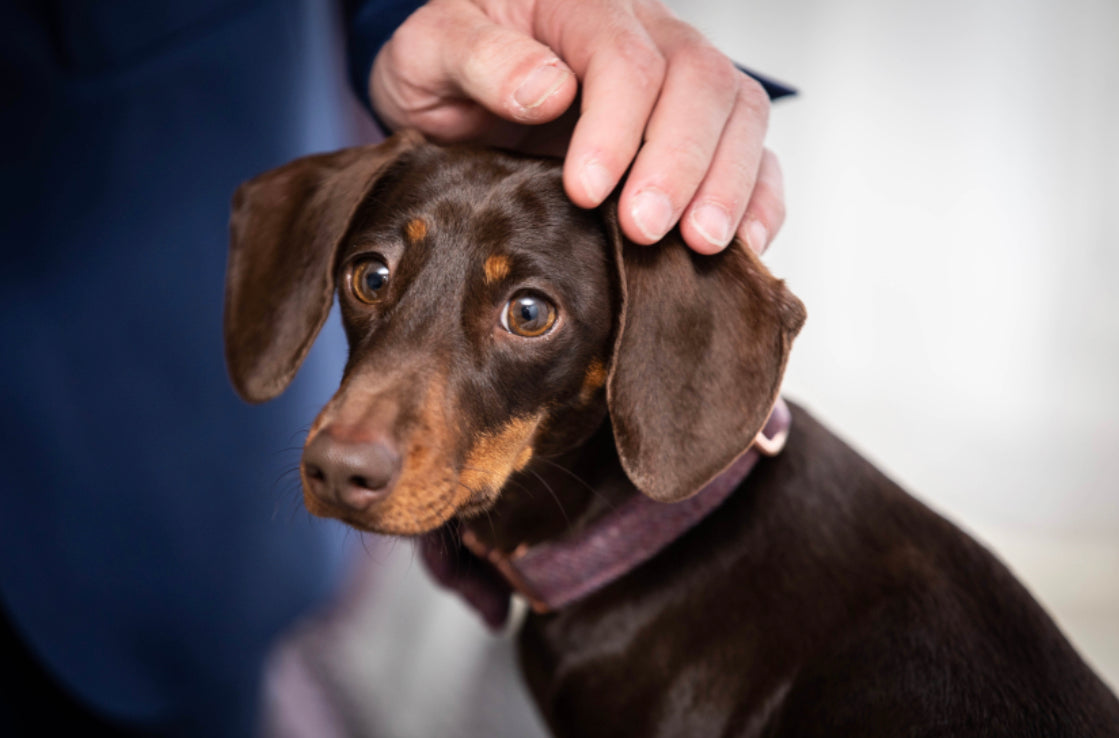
(476, 202)
(485, 197)
(461, 179)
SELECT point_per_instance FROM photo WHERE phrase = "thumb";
(507, 71)
(454, 50)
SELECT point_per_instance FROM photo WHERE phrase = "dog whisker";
(559, 503)
(610, 503)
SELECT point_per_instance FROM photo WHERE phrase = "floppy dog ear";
(698, 359)
(284, 234)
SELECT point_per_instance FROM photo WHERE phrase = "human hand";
(655, 95)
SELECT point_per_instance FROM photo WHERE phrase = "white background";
(952, 177)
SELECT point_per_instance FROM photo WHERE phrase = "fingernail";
(541, 84)
(596, 180)
(652, 211)
(757, 237)
(713, 223)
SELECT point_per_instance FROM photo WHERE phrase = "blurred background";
(952, 176)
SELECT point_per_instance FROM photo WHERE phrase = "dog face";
(479, 310)
(490, 321)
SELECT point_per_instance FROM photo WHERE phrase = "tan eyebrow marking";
(415, 230)
(497, 268)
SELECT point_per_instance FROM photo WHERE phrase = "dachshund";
(599, 423)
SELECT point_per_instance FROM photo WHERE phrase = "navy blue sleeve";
(776, 90)
(370, 23)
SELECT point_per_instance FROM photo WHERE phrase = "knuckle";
(753, 96)
(479, 54)
(645, 66)
(689, 155)
(395, 50)
(409, 48)
(712, 66)
(742, 175)
(421, 22)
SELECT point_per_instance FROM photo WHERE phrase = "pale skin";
(652, 94)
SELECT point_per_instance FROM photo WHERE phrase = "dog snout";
(351, 473)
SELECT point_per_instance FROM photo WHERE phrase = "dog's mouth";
(408, 510)
(424, 493)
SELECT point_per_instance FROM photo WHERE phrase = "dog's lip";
(361, 520)
(323, 508)
(365, 527)
(472, 508)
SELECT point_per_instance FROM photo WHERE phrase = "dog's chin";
(395, 517)
(387, 525)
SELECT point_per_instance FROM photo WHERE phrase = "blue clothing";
(151, 546)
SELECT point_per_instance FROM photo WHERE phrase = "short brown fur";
(818, 600)
(496, 455)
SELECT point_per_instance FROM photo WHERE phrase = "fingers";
(621, 82)
(450, 69)
(657, 94)
(657, 100)
(701, 139)
(703, 143)
(505, 70)
(766, 212)
(719, 203)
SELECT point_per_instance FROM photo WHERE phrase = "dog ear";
(701, 347)
(285, 230)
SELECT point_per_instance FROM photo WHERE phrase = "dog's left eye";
(369, 280)
(528, 314)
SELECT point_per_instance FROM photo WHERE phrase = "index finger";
(622, 72)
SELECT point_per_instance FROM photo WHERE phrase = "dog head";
(490, 321)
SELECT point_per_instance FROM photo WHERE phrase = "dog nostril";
(364, 483)
(373, 469)
(351, 473)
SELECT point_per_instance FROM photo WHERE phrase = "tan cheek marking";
(523, 459)
(497, 268)
(497, 455)
(593, 380)
(415, 230)
(426, 494)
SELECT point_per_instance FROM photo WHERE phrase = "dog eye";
(529, 315)
(369, 280)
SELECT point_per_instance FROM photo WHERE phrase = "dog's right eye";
(370, 278)
(528, 315)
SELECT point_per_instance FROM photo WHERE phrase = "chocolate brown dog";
(519, 369)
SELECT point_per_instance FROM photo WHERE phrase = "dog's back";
(821, 599)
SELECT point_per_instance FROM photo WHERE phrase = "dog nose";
(351, 473)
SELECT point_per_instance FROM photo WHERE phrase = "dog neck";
(610, 528)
